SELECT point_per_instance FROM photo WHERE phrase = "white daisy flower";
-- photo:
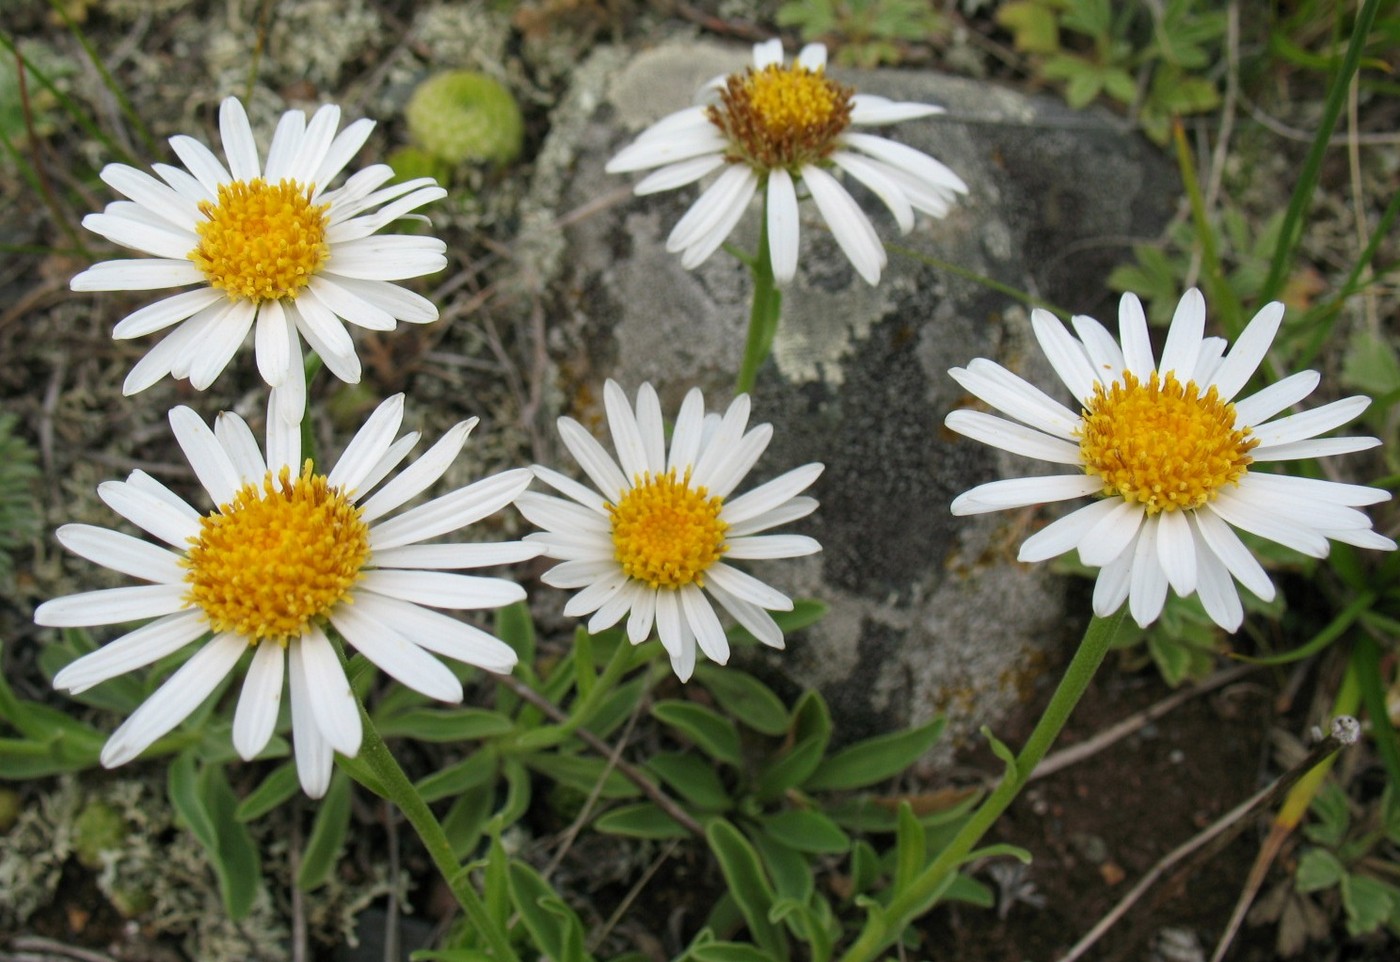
(781, 128)
(270, 248)
(286, 552)
(1171, 455)
(654, 540)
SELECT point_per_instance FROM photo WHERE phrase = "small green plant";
(19, 514)
(1354, 860)
(462, 117)
(1154, 59)
(864, 33)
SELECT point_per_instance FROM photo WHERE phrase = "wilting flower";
(287, 551)
(779, 128)
(271, 249)
(1172, 456)
(654, 540)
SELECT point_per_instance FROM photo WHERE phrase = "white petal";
(872, 176)
(754, 619)
(781, 203)
(145, 274)
(1012, 437)
(1132, 332)
(678, 175)
(556, 514)
(770, 494)
(643, 615)
(1105, 357)
(1222, 541)
(111, 606)
(452, 511)
(660, 152)
(704, 624)
(165, 312)
(1311, 489)
(1184, 336)
(1017, 397)
(201, 162)
(442, 635)
(905, 158)
(1249, 350)
(596, 595)
(1309, 424)
(158, 198)
(237, 440)
(391, 298)
(610, 612)
(873, 110)
(601, 469)
(769, 52)
(136, 649)
(1067, 533)
(689, 430)
(746, 586)
(342, 150)
(1176, 551)
(256, 715)
(1216, 590)
(395, 655)
(166, 241)
(568, 486)
(440, 589)
(273, 343)
(572, 575)
(206, 455)
(730, 207)
(286, 140)
(172, 703)
(317, 140)
(1112, 533)
(157, 512)
(314, 755)
(121, 552)
(343, 302)
(1065, 354)
(675, 635)
(419, 476)
(730, 471)
(1314, 448)
(771, 546)
(1264, 404)
(1023, 492)
(812, 56)
(237, 138)
(368, 445)
(1243, 513)
(849, 226)
(1148, 591)
(791, 510)
(454, 556)
(627, 437)
(717, 450)
(1113, 583)
(332, 702)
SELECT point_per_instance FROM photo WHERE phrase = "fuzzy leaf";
(875, 759)
(711, 732)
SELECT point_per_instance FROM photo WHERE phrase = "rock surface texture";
(929, 613)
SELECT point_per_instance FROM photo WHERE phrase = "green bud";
(463, 116)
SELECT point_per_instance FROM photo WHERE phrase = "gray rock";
(929, 613)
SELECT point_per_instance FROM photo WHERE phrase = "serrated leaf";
(1368, 903)
(1318, 869)
(1033, 27)
(711, 732)
(328, 833)
(875, 759)
(643, 820)
(745, 698)
(747, 884)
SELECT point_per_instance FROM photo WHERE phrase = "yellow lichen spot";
(261, 241)
(665, 532)
(1162, 444)
(781, 116)
(276, 557)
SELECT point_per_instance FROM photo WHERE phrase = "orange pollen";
(260, 241)
(1161, 443)
(665, 532)
(278, 556)
(781, 116)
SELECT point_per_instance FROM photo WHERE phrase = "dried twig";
(1345, 731)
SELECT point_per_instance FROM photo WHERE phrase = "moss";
(462, 116)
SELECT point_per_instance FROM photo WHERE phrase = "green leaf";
(1033, 27)
(582, 773)
(711, 732)
(1318, 869)
(865, 867)
(806, 924)
(789, 769)
(328, 833)
(516, 628)
(1371, 364)
(807, 831)
(805, 613)
(643, 820)
(692, 779)
(1368, 903)
(465, 821)
(1331, 814)
(971, 891)
(452, 725)
(730, 952)
(474, 771)
(910, 853)
(205, 804)
(745, 698)
(280, 785)
(791, 874)
(747, 884)
(875, 759)
(554, 928)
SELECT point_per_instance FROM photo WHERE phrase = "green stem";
(884, 925)
(398, 789)
(763, 316)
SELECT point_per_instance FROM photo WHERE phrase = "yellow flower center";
(261, 241)
(277, 556)
(1163, 444)
(665, 532)
(781, 116)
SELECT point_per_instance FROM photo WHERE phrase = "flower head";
(1172, 457)
(779, 127)
(287, 551)
(270, 248)
(654, 541)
